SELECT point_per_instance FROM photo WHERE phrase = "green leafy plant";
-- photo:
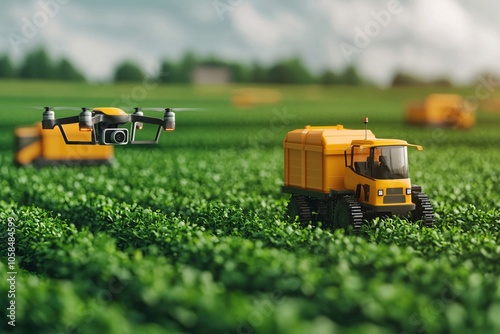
(190, 236)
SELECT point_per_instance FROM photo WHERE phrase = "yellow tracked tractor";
(341, 177)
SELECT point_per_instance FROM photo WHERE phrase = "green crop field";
(189, 237)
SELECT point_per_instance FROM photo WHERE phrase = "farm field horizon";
(190, 236)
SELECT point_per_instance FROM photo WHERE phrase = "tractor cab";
(379, 158)
(377, 171)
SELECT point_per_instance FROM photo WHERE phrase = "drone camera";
(115, 136)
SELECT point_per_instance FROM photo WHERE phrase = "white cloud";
(268, 36)
(442, 23)
(428, 37)
(97, 43)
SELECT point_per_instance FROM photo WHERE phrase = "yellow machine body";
(314, 156)
(33, 145)
(441, 110)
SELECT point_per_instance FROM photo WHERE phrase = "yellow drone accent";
(110, 111)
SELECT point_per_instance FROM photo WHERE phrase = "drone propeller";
(47, 108)
(171, 109)
(49, 116)
(188, 109)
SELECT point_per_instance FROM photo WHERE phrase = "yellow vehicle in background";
(342, 177)
(39, 147)
(441, 110)
(253, 97)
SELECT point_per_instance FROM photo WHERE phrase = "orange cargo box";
(314, 156)
(39, 147)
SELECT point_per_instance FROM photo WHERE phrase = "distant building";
(211, 75)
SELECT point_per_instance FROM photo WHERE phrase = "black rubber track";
(299, 206)
(349, 205)
(423, 210)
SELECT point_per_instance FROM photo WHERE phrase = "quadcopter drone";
(106, 124)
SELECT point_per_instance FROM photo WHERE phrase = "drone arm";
(146, 119)
(51, 123)
(155, 141)
(93, 140)
(138, 119)
(72, 120)
(66, 120)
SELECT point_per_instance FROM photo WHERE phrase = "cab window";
(384, 162)
(389, 162)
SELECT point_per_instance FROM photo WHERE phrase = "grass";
(188, 236)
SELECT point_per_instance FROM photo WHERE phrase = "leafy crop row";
(274, 255)
(189, 236)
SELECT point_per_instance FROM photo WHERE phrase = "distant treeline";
(39, 65)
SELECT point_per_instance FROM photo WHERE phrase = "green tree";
(442, 82)
(169, 72)
(405, 79)
(186, 67)
(66, 71)
(279, 74)
(350, 77)
(329, 78)
(128, 71)
(299, 71)
(37, 65)
(6, 68)
(258, 73)
(290, 71)
(239, 72)
(211, 61)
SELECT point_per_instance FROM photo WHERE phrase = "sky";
(458, 39)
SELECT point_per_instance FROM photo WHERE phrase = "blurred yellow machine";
(252, 97)
(447, 110)
(342, 176)
(491, 104)
(39, 147)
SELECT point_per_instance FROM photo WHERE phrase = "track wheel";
(423, 209)
(298, 206)
(322, 215)
(347, 213)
